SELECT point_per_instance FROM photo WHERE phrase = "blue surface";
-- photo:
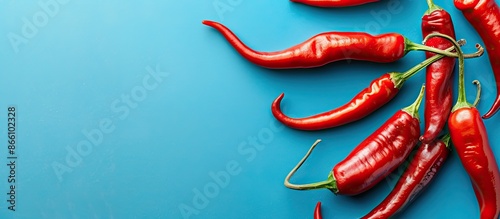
(199, 135)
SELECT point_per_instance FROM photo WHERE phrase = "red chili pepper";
(329, 47)
(484, 15)
(334, 3)
(470, 139)
(374, 158)
(379, 92)
(423, 167)
(438, 93)
(317, 211)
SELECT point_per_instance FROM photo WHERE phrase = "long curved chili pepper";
(379, 92)
(334, 3)
(317, 211)
(423, 167)
(374, 158)
(484, 16)
(470, 138)
(328, 47)
(438, 93)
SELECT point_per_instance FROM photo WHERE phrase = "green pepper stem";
(478, 92)
(462, 99)
(330, 183)
(432, 7)
(478, 53)
(410, 46)
(410, 72)
(400, 78)
(446, 140)
(413, 108)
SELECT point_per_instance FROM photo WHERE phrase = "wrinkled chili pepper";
(334, 3)
(438, 93)
(374, 158)
(484, 16)
(423, 167)
(470, 138)
(329, 47)
(379, 92)
(317, 211)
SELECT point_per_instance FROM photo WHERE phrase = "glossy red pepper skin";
(334, 3)
(438, 93)
(423, 167)
(322, 49)
(378, 155)
(470, 138)
(484, 16)
(374, 158)
(380, 91)
(317, 211)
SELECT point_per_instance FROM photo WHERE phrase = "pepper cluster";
(391, 144)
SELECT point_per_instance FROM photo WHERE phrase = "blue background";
(210, 113)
